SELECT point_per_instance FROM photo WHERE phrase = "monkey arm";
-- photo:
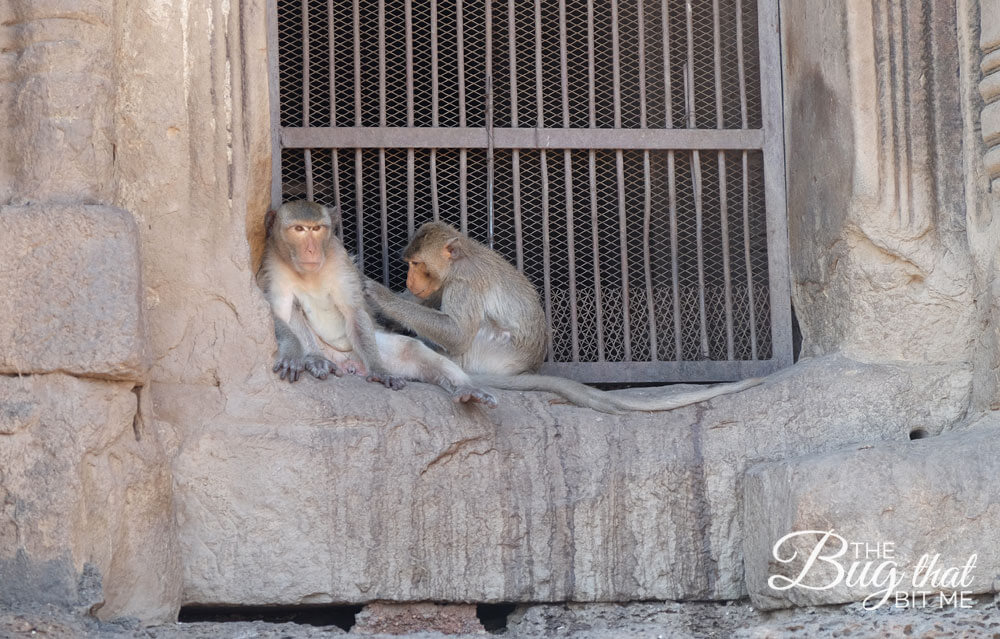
(437, 326)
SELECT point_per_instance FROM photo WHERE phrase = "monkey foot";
(319, 367)
(389, 381)
(467, 395)
(289, 368)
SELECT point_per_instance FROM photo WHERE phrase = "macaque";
(315, 291)
(491, 323)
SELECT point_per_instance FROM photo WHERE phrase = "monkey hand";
(319, 366)
(389, 381)
(375, 292)
(289, 367)
(468, 394)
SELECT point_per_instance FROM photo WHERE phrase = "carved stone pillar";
(989, 86)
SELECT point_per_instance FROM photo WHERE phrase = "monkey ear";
(269, 222)
(452, 250)
(335, 218)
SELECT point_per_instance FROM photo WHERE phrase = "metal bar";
(594, 227)
(751, 294)
(335, 159)
(408, 12)
(641, 44)
(333, 65)
(357, 64)
(563, 64)
(274, 90)
(726, 271)
(435, 90)
(741, 68)
(647, 258)
(660, 372)
(774, 182)
(512, 57)
(381, 65)
(700, 243)
(616, 74)
(717, 51)
(591, 72)
(667, 87)
(310, 190)
(488, 82)
(674, 247)
(460, 60)
(546, 248)
(515, 171)
(689, 68)
(539, 70)
(384, 211)
(568, 181)
(623, 247)
(410, 194)
(305, 63)
(463, 189)
(359, 208)
(435, 203)
(522, 138)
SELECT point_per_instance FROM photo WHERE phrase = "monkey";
(315, 290)
(491, 323)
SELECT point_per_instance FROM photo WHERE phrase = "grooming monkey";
(315, 290)
(491, 322)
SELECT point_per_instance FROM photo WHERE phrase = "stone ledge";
(930, 496)
(344, 492)
(71, 277)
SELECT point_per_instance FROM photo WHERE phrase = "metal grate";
(619, 153)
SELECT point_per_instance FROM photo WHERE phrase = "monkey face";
(420, 281)
(308, 243)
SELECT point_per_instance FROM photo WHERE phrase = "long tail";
(583, 395)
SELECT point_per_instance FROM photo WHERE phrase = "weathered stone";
(931, 498)
(86, 512)
(72, 287)
(399, 619)
(342, 491)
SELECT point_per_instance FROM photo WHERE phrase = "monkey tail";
(589, 397)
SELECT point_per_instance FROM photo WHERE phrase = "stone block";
(86, 510)
(382, 618)
(923, 508)
(71, 277)
(344, 492)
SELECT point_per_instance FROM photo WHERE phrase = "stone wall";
(136, 346)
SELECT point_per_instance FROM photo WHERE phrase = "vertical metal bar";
(435, 203)
(305, 63)
(539, 70)
(274, 88)
(333, 65)
(359, 207)
(408, 19)
(726, 272)
(384, 211)
(647, 187)
(741, 68)
(546, 248)
(463, 154)
(381, 65)
(568, 173)
(515, 153)
(357, 65)
(674, 266)
(696, 180)
(335, 158)
(410, 194)
(623, 246)
(689, 67)
(667, 87)
(310, 190)
(488, 82)
(616, 72)
(592, 175)
(435, 98)
(717, 50)
(774, 183)
(751, 294)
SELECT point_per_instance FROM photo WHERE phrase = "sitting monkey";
(492, 324)
(315, 289)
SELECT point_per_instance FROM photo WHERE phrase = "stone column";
(989, 85)
(87, 509)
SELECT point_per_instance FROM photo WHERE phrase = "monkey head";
(301, 231)
(430, 256)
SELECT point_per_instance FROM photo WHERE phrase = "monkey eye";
(299, 228)
(317, 228)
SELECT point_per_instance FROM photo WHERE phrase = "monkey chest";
(326, 320)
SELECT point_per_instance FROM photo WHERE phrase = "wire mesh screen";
(613, 151)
